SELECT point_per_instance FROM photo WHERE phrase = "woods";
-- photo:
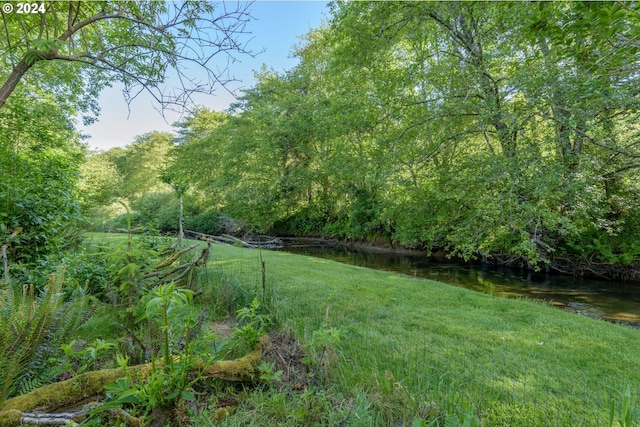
(504, 131)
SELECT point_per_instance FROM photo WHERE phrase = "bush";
(158, 210)
(209, 222)
(308, 221)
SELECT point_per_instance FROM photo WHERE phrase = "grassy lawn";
(414, 349)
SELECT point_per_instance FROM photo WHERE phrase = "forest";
(503, 132)
(498, 132)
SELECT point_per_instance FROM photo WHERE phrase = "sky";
(275, 30)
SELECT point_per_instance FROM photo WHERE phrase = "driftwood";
(226, 239)
(36, 407)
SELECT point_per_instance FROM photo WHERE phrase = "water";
(613, 301)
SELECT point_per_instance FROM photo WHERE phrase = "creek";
(613, 301)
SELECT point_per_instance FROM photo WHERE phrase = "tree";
(40, 153)
(502, 130)
(100, 181)
(56, 62)
(137, 43)
(142, 162)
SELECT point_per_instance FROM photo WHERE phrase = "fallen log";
(44, 400)
(226, 239)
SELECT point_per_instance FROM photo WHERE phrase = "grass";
(418, 352)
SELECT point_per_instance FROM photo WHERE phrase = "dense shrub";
(157, 210)
(209, 222)
(310, 220)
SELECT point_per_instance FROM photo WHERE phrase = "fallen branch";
(165, 276)
(226, 239)
(175, 256)
(57, 419)
(89, 384)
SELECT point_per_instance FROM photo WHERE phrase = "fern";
(27, 384)
(32, 329)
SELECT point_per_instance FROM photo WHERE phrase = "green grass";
(415, 349)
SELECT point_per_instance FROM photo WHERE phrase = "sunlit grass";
(446, 349)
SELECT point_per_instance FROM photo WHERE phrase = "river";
(612, 301)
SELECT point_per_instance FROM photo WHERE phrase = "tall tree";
(491, 129)
(142, 163)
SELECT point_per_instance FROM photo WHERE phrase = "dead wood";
(226, 239)
(176, 273)
(67, 393)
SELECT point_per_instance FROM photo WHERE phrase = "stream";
(613, 301)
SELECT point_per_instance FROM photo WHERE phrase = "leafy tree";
(39, 158)
(56, 63)
(141, 164)
(194, 158)
(137, 43)
(502, 130)
(101, 181)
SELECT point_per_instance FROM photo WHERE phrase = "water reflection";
(618, 302)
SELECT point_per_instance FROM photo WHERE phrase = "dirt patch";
(223, 328)
(285, 352)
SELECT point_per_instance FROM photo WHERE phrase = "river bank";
(392, 349)
(615, 301)
(570, 266)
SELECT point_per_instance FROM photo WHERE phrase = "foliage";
(34, 325)
(167, 307)
(127, 264)
(76, 361)
(168, 385)
(423, 124)
(56, 63)
(75, 49)
(208, 222)
(100, 182)
(252, 325)
(141, 163)
(157, 210)
(39, 164)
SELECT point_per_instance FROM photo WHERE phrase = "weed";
(626, 415)
(252, 325)
(268, 372)
(170, 384)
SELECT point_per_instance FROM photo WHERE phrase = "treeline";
(507, 131)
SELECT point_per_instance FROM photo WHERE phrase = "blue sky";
(275, 30)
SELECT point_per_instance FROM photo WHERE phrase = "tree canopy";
(137, 43)
(501, 130)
